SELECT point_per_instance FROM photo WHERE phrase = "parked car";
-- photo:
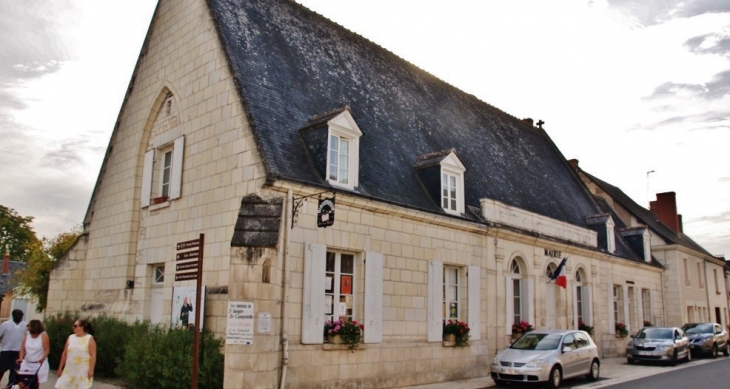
(707, 338)
(547, 355)
(662, 344)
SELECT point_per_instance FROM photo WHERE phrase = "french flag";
(559, 275)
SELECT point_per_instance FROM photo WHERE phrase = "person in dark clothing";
(185, 312)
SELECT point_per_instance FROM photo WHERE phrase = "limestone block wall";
(182, 57)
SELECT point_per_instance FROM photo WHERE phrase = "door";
(156, 306)
(569, 358)
(583, 363)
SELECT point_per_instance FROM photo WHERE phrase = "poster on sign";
(184, 311)
(239, 324)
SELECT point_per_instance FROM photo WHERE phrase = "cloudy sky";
(628, 87)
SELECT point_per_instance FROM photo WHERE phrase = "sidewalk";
(98, 384)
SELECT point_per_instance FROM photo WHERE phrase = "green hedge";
(143, 355)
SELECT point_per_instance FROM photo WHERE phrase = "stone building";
(694, 283)
(241, 117)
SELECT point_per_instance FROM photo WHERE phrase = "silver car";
(662, 344)
(707, 338)
(548, 355)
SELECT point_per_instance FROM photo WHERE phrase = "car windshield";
(655, 333)
(698, 328)
(531, 341)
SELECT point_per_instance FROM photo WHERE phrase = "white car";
(549, 355)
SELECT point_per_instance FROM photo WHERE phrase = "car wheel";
(500, 382)
(595, 371)
(630, 361)
(673, 362)
(714, 351)
(556, 377)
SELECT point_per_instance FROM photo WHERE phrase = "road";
(709, 375)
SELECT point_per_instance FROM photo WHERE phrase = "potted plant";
(458, 331)
(647, 323)
(585, 327)
(344, 331)
(521, 328)
(621, 330)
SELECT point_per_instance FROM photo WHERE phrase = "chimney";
(665, 208)
(573, 163)
(6, 263)
(529, 122)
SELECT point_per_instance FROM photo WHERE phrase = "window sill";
(335, 347)
(154, 207)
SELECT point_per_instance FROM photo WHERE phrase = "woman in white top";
(34, 349)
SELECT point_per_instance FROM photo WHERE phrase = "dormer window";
(639, 239)
(442, 174)
(604, 226)
(333, 143)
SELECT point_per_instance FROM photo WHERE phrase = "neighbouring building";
(9, 297)
(694, 282)
(254, 121)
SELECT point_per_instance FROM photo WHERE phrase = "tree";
(16, 234)
(34, 279)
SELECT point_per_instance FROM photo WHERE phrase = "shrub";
(460, 330)
(162, 358)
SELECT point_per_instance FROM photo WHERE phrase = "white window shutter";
(587, 305)
(575, 306)
(178, 152)
(475, 312)
(640, 307)
(435, 301)
(149, 161)
(611, 312)
(528, 301)
(373, 319)
(625, 298)
(510, 305)
(313, 295)
(650, 310)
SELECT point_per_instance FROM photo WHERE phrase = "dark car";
(660, 344)
(707, 338)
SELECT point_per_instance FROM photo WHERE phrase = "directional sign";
(186, 276)
(187, 255)
(195, 243)
(186, 266)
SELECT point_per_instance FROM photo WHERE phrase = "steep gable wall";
(181, 58)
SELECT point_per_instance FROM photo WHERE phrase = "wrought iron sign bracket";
(297, 204)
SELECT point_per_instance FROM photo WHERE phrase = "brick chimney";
(529, 122)
(665, 207)
(6, 263)
(573, 163)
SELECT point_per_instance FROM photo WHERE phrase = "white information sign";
(264, 323)
(239, 327)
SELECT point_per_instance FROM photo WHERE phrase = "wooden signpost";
(182, 273)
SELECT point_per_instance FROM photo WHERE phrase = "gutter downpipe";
(285, 285)
(707, 291)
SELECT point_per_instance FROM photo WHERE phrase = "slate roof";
(646, 216)
(290, 64)
(623, 249)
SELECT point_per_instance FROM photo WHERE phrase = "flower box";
(458, 331)
(344, 332)
(160, 200)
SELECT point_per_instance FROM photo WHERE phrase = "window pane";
(452, 276)
(452, 181)
(453, 205)
(451, 294)
(344, 147)
(333, 172)
(334, 143)
(347, 263)
(330, 266)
